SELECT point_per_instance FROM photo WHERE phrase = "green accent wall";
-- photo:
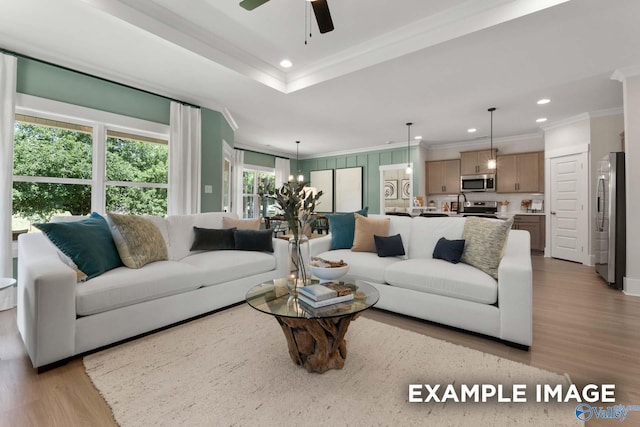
(215, 130)
(48, 81)
(259, 159)
(370, 162)
(59, 84)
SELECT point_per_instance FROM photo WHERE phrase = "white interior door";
(569, 225)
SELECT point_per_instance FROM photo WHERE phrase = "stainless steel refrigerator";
(610, 220)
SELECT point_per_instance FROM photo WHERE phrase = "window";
(254, 183)
(65, 166)
(136, 174)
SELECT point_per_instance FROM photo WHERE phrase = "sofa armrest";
(319, 245)
(515, 296)
(281, 252)
(46, 312)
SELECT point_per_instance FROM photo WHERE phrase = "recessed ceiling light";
(472, 130)
(285, 63)
(544, 101)
(541, 120)
(417, 137)
(389, 142)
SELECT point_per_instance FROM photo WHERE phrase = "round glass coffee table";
(315, 336)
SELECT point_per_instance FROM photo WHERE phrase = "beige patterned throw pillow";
(137, 239)
(366, 228)
(484, 243)
(241, 224)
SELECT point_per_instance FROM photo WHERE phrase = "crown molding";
(229, 118)
(621, 74)
(607, 112)
(466, 18)
(385, 147)
(483, 141)
(566, 122)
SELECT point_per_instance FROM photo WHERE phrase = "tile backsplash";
(514, 199)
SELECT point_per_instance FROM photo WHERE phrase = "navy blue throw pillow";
(449, 250)
(210, 239)
(389, 246)
(254, 240)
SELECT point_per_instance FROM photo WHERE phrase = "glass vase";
(299, 259)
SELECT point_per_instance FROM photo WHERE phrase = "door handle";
(553, 213)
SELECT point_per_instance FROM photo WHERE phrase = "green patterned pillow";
(484, 243)
(138, 240)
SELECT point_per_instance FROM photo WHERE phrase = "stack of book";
(324, 294)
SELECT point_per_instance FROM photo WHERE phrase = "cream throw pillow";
(137, 239)
(484, 243)
(241, 224)
(366, 228)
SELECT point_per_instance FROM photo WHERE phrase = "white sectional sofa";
(457, 295)
(59, 318)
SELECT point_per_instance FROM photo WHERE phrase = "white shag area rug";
(232, 368)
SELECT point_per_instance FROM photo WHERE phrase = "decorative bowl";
(328, 274)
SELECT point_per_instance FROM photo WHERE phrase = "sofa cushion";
(484, 243)
(362, 265)
(425, 233)
(342, 228)
(253, 240)
(224, 266)
(88, 243)
(365, 229)
(125, 286)
(389, 246)
(449, 250)
(440, 277)
(211, 239)
(180, 228)
(138, 240)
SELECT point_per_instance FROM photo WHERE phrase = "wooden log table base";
(317, 344)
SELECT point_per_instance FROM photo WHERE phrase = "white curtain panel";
(238, 171)
(8, 71)
(283, 169)
(185, 148)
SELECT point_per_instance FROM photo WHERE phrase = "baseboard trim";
(631, 287)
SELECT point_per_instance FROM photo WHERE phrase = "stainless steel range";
(485, 209)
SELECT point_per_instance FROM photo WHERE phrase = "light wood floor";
(580, 327)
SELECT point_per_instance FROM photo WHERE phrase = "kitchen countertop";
(499, 214)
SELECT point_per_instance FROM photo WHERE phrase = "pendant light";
(491, 164)
(409, 170)
(300, 176)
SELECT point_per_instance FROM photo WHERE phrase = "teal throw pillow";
(342, 227)
(87, 242)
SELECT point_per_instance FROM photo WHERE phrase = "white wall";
(631, 90)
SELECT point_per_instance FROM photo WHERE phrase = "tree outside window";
(54, 172)
(254, 183)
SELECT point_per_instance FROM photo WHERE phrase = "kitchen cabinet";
(535, 225)
(443, 177)
(520, 173)
(476, 162)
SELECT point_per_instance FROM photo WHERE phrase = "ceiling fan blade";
(323, 16)
(252, 4)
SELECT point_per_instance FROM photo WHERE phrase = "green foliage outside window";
(44, 151)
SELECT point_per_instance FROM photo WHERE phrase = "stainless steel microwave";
(469, 183)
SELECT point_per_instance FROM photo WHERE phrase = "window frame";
(254, 169)
(100, 122)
